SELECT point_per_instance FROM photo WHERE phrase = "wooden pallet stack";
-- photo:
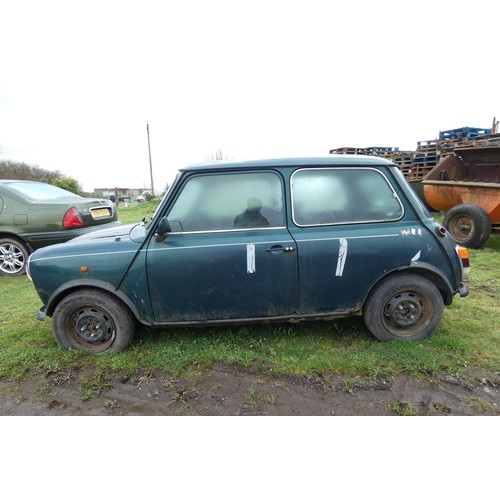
(373, 151)
(449, 146)
(424, 159)
(415, 164)
(403, 159)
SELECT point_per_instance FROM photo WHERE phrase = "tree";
(68, 183)
(217, 156)
(10, 169)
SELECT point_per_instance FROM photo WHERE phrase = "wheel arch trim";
(427, 271)
(21, 240)
(80, 284)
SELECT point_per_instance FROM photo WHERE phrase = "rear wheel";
(469, 225)
(403, 307)
(93, 321)
(13, 257)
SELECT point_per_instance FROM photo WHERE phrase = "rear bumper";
(463, 290)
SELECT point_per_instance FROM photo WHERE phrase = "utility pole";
(150, 163)
(494, 127)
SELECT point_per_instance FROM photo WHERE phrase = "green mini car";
(36, 214)
(258, 241)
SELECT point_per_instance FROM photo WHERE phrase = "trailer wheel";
(469, 225)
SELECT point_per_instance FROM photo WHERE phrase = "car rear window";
(343, 196)
(41, 191)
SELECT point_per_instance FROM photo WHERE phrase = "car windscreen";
(40, 191)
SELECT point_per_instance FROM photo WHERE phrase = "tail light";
(72, 218)
(463, 253)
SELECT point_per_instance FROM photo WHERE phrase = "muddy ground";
(234, 390)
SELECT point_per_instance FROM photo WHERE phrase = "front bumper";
(40, 315)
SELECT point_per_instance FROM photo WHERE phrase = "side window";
(341, 196)
(215, 202)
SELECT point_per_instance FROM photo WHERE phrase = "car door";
(228, 255)
(347, 225)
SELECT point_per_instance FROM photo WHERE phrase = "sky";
(81, 80)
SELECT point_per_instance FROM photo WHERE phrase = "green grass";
(137, 211)
(467, 339)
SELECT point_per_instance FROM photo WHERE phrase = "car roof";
(304, 162)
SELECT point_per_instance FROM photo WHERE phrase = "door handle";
(280, 248)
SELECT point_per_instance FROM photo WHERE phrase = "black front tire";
(403, 307)
(93, 321)
(469, 225)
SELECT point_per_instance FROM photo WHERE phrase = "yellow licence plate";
(100, 213)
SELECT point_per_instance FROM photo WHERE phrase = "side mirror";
(162, 230)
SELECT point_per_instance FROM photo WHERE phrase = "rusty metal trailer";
(466, 185)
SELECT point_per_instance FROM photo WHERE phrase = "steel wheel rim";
(406, 313)
(93, 328)
(11, 258)
(462, 227)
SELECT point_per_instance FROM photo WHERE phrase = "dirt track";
(230, 390)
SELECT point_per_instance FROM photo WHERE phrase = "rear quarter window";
(342, 196)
